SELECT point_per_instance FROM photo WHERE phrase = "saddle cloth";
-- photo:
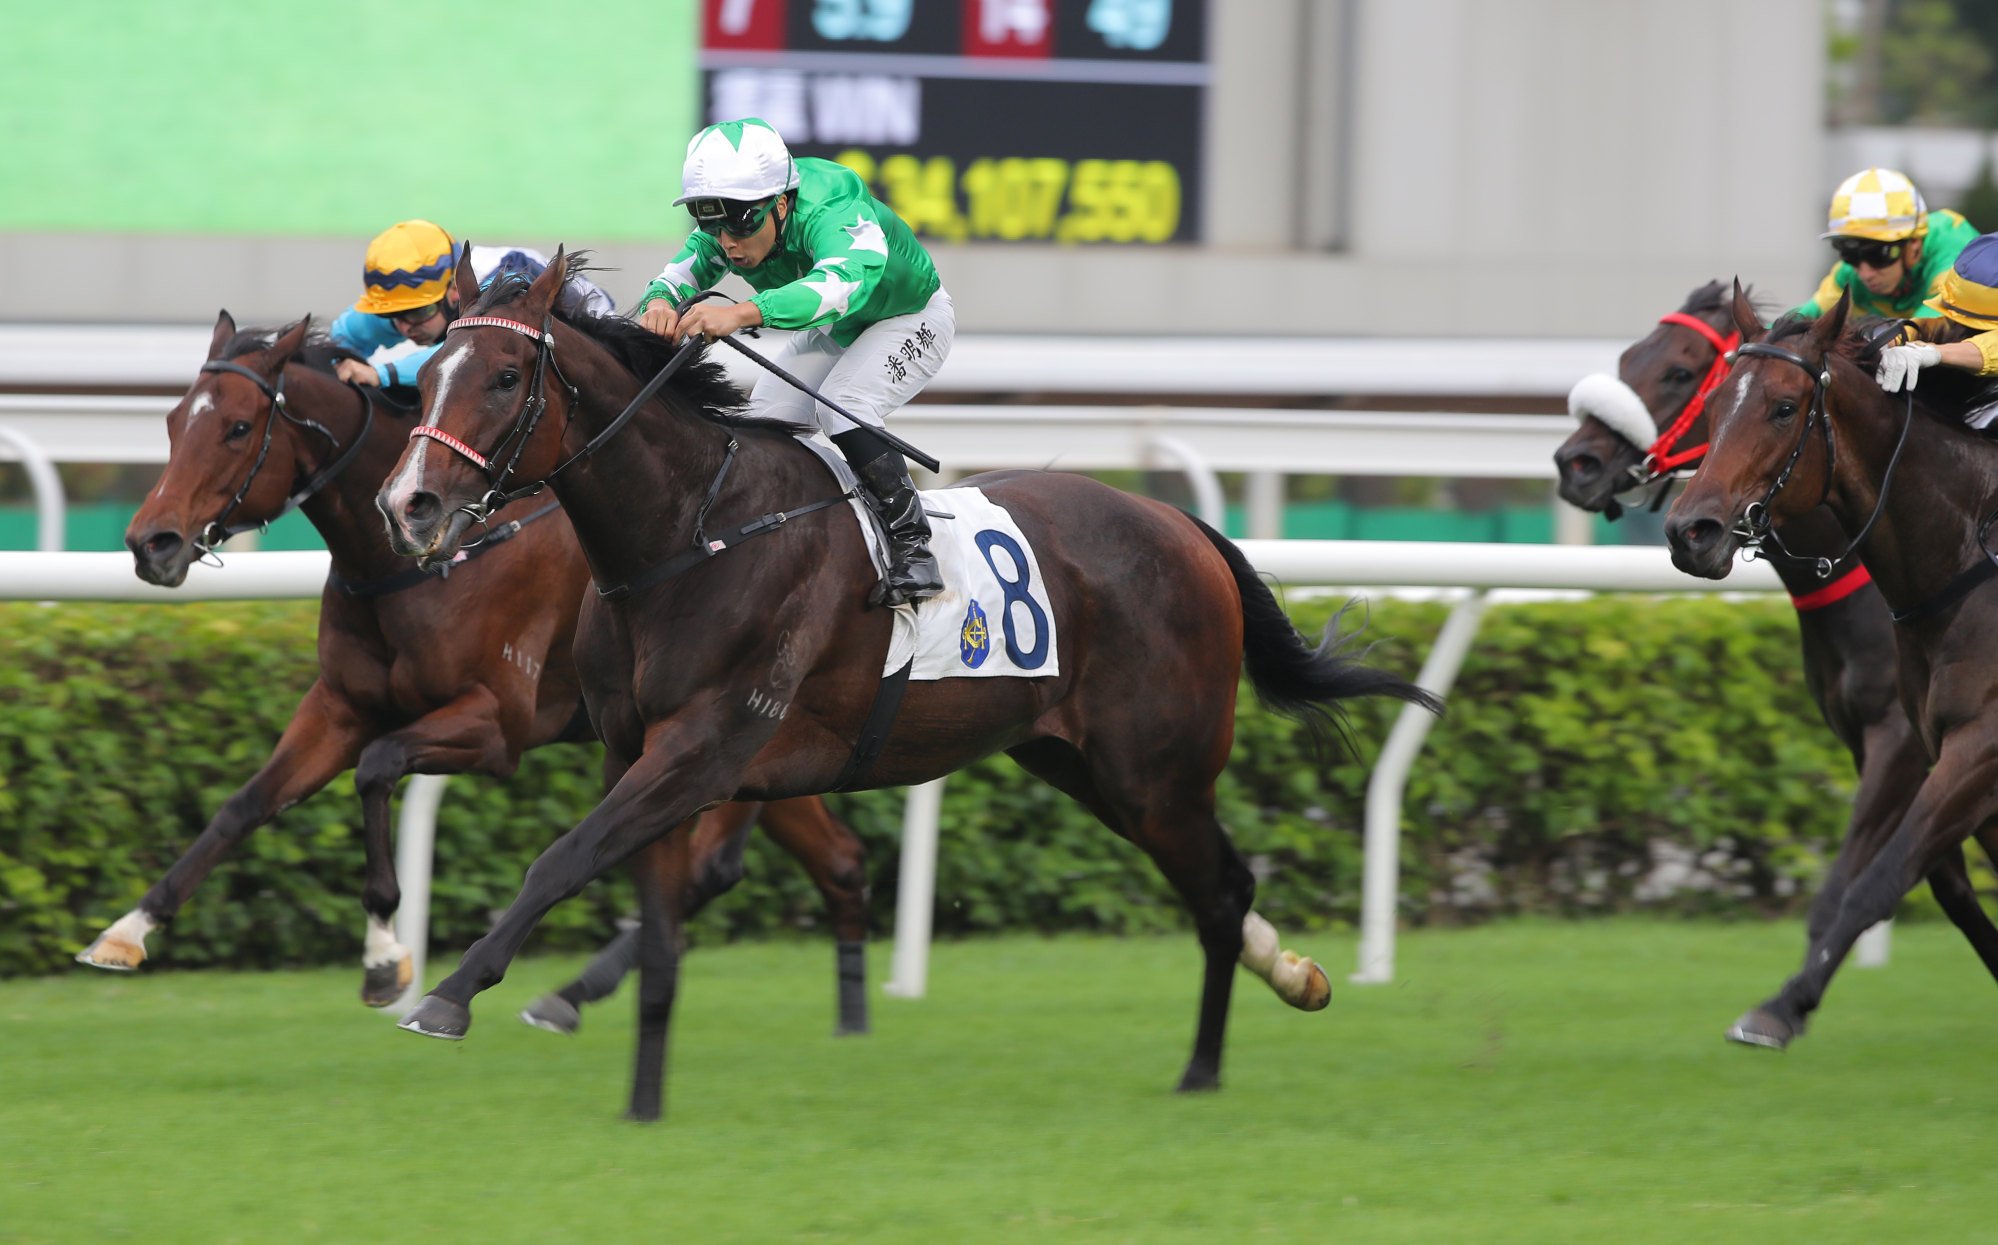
(993, 618)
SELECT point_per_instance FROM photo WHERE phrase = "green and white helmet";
(741, 160)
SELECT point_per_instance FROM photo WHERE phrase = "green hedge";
(1580, 736)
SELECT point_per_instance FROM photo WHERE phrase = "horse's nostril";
(1582, 465)
(160, 544)
(420, 506)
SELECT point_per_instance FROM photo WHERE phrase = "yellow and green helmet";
(1880, 204)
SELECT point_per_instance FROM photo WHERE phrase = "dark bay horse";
(417, 673)
(1800, 423)
(749, 676)
(1847, 635)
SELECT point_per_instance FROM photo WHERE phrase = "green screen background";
(496, 118)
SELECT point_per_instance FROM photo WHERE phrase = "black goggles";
(1857, 251)
(734, 217)
(415, 315)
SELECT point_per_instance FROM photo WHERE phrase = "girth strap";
(682, 562)
(874, 731)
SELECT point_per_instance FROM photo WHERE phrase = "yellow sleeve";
(1987, 345)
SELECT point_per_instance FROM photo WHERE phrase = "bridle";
(1757, 529)
(497, 494)
(1662, 458)
(220, 529)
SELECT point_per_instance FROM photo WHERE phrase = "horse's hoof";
(1199, 1081)
(383, 984)
(1760, 1027)
(439, 1018)
(647, 1115)
(553, 1013)
(1301, 983)
(848, 1029)
(116, 954)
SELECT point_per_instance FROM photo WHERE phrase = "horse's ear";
(1746, 322)
(287, 344)
(1832, 323)
(225, 328)
(466, 283)
(548, 286)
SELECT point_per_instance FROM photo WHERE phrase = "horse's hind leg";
(322, 739)
(1949, 880)
(463, 735)
(833, 855)
(1172, 820)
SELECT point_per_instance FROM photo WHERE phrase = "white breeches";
(884, 367)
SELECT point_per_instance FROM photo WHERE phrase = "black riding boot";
(884, 479)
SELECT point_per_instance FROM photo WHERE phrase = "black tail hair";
(1291, 677)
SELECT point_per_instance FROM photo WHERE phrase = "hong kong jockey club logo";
(974, 639)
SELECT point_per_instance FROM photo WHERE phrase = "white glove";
(1900, 364)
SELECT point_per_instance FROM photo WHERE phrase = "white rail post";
(415, 836)
(1382, 877)
(915, 893)
(51, 504)
(1208, 498)
(1265, 505)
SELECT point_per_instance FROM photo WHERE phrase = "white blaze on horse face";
(203, 403)
(409, 481)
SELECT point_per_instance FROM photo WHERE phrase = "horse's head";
(232, 460)
(495, 405)
(1771, 454)
(1659, 382)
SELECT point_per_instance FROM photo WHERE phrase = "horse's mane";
(1946, 394)
(701, 381)
(1717, 296)
(318, 353)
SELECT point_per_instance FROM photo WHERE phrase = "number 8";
(1016, 594)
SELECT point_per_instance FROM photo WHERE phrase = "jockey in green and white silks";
(831, 261)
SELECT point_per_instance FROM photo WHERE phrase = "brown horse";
(1799, 423)
(1847, 636)
(751, 674)
(417, 673)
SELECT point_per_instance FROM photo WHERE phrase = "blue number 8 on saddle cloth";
(993, 619)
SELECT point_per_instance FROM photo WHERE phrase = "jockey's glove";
(1899, 365)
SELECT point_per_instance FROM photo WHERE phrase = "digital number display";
(1063, 121)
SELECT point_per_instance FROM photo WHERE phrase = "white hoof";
(1297, 979)
(121, 948)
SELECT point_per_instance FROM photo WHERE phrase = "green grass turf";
(1529, 1082)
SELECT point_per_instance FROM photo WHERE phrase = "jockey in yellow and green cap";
(1892, 250)
(407, 294)
(1963, 332)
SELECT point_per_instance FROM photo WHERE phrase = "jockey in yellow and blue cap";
(1892, 250)
(408, 294)
(1964, 332)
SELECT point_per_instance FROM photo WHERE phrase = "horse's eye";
(508, 379)
(1677, 376)
(1783, 412)
(239, 430)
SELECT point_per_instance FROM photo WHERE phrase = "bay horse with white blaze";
(1800, 423)
(418, 673)
(1155, 614)
(1648, 424)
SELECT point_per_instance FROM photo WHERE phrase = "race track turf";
(1531, 1082)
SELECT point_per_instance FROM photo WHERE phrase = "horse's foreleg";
(323, 738)
(681, 770)
(833, 856)
(1959, 797)
(561, 1011)
(662, 872)
(463, 735)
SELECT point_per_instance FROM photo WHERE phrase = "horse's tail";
(1291, 677)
